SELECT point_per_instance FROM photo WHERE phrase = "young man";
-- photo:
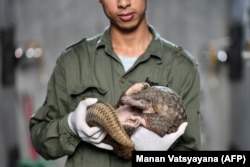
(102, 67)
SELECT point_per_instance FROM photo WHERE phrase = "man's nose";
(124, 3)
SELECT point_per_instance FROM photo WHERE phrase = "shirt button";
(179, 48)
(122, 79)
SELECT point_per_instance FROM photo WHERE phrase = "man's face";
(125, 15)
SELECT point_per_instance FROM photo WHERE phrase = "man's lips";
(126, 17)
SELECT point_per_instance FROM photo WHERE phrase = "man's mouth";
(126, 17)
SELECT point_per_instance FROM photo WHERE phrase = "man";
(102, 67)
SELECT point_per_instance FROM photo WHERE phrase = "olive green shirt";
(90, 68)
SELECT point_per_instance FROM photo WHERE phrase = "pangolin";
(157, 108)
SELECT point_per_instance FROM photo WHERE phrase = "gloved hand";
(146, 140)
(78, 125)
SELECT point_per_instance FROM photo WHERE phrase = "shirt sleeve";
(190, 92)
(50, 133)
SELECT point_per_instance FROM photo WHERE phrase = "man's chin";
(127, 27)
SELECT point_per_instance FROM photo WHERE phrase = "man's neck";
(133, 43)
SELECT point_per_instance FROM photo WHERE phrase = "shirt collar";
(155, 47)
(105, 39)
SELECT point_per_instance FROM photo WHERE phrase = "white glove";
(146, 140)
(78, 125)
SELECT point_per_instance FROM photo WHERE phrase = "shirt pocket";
(80, 92)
